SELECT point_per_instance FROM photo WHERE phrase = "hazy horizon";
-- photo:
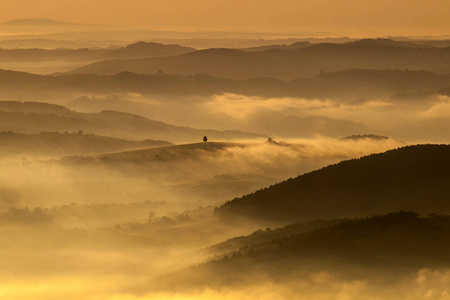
(339, 18)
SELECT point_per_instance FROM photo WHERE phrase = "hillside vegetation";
(389, 246)
(412, 178)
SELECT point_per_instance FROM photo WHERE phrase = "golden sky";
(346, 17)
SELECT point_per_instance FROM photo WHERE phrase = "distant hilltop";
(358, 137)
(38, 22)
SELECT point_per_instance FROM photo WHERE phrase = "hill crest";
(409, 178)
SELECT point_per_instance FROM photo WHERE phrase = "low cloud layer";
(426, 284)
(289, 117)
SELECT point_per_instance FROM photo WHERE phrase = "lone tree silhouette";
(205, 139)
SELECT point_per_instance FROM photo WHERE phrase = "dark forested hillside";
(386, 245)
(413, 177)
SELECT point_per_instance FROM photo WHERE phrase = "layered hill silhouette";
(54, 143)
(36, 22)
(267, 236)
(359, 137)
(348, 85)
(50, 43)
(295, 45)
(164, 154)
(40, 25)
(147, 49)
(411, 178)
(29, 117)
(285, 64)
(386, 245)
(290, 126)
(132, 51)
(311, 126)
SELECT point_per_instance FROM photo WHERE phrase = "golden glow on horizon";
(382, 17)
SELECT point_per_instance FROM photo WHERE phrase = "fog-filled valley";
(138, 163)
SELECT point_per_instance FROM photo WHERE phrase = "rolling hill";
(286, 64)
(147, 49)
(306, 127)
(359, 137)
(348, 85)
(290, 126)
(295, 45)
(29, 117)
(37, 22)
(141, 158)
(197, 173)
(49, 43)
(355, 249)
(411, 178)
(132, 51)
(41, 25)
(54, 143)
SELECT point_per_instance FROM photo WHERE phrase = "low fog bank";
(380, 251)
(121, 219)
(36, 117)
(82, 219)
(59, 252)
(415, 115)
(184, 175)
(55, 144)
(423, 284)
(416, 118)
(128, 261)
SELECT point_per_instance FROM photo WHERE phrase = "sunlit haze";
(307, 17)
(224, 150)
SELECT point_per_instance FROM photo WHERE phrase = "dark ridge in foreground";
(388, 246)
(413, 177)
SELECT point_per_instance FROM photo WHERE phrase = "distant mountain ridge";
(38, 22)
(286, 64)
(348, 85)
(148, 49)
(131, 51)
(295, 45)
